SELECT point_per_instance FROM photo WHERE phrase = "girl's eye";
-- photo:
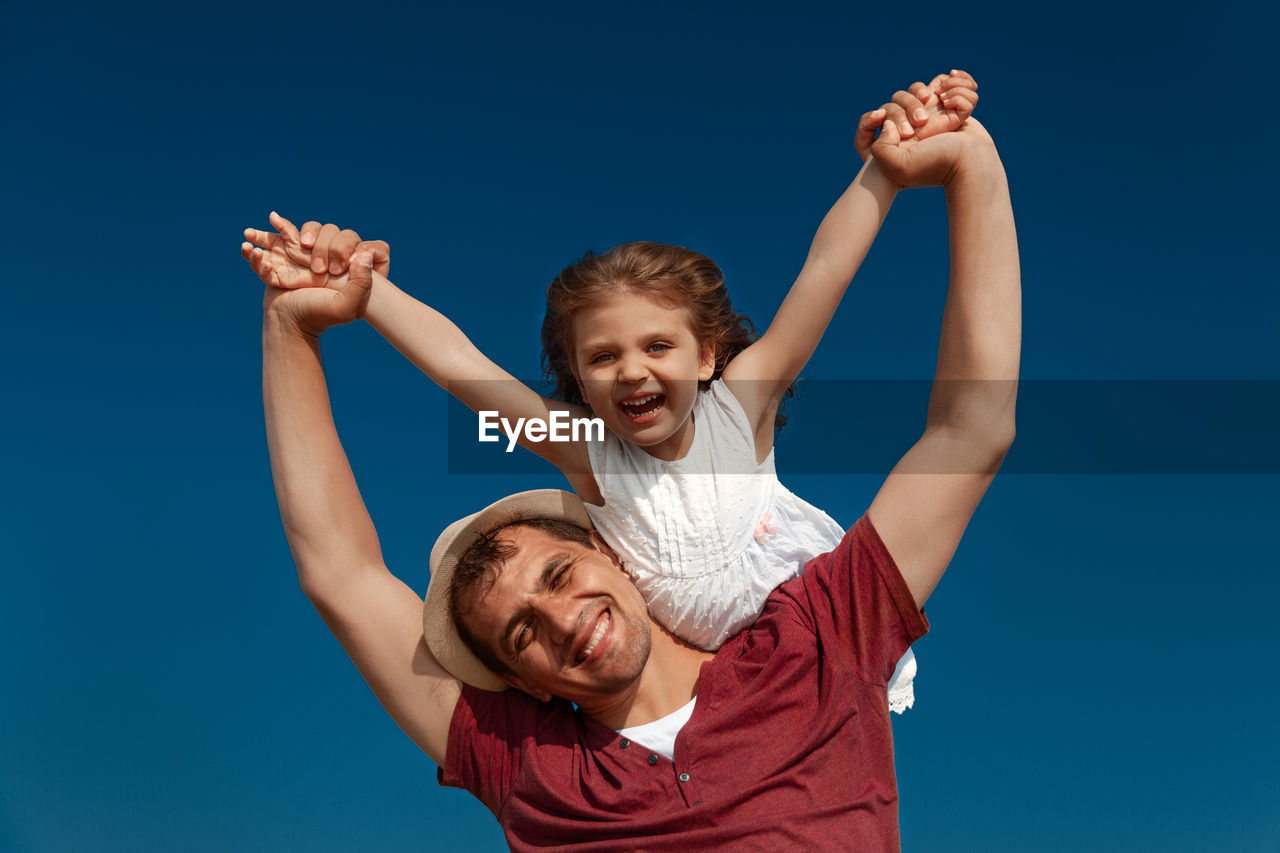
(601, 357)
(659, 347)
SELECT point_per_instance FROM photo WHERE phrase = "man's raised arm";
(925, 504)
(376, 617)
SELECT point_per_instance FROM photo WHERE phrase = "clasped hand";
(925, 131)
(307, 276)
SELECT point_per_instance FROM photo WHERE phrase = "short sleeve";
(485, 737)
(858, 604)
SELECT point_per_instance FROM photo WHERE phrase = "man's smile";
(588, 644)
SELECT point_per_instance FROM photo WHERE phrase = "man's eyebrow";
(544, 580)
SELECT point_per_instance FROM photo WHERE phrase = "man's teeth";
(595, 638)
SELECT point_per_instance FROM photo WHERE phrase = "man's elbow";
(326, 584)
(966, 446)
(1001, 437)
(993, 438)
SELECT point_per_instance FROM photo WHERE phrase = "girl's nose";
(632, 369)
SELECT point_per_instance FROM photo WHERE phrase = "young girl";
(644, 337)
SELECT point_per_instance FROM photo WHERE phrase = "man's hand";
(922, 111)
(930, 162)
(312, 302)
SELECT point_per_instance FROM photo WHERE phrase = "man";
(788, 744)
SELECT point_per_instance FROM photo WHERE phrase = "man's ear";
(520, 684)
(603, 547)
(706, 362)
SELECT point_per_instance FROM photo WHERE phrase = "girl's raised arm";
(423, 335)
(441, 350)
(761, 374)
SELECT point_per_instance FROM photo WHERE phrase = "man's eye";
(557, 580)
(522, 639)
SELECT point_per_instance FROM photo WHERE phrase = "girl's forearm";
(441, 350)
(850, 227)
(422, 334)
(838, 248)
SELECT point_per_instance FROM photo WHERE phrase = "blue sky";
(1097, 675)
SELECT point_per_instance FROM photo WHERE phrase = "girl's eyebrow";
(601, 343)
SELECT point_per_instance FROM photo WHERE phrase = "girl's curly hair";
(670, 273)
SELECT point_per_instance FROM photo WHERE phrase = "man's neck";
(668, 682)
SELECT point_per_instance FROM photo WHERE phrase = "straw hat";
(437, 623)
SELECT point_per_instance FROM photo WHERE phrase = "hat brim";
(437, 622)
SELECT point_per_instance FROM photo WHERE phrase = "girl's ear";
(706, 362)
(582, 389)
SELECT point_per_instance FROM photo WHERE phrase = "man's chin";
(621, 669)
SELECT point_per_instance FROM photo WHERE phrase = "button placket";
(688, 789)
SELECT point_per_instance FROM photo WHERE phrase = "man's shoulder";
(852, 598)
(860, 547)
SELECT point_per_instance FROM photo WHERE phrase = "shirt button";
(653, 759)
(683, 777)
(624, 743)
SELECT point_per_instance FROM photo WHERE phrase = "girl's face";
(638, 364)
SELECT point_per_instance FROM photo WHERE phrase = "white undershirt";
(660, 735)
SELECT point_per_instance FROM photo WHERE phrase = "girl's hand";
(280, 259)
(332, 248)
(311, 302)
(922, 111)
(309, 259)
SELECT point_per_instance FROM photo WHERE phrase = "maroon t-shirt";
(789, 746)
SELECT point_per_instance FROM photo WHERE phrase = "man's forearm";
(981, 326)
(329, 530)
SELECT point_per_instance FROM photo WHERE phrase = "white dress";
(707, 537)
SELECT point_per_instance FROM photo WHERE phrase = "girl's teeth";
(642, 405)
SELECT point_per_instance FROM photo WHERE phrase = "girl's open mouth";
(643, 410)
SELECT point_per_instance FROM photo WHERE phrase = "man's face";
(566, 619)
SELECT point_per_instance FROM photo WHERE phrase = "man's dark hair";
(478, 568)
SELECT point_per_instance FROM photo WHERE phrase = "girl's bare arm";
(760, 375)
(423, 335)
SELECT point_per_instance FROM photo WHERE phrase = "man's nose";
(559, 620)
